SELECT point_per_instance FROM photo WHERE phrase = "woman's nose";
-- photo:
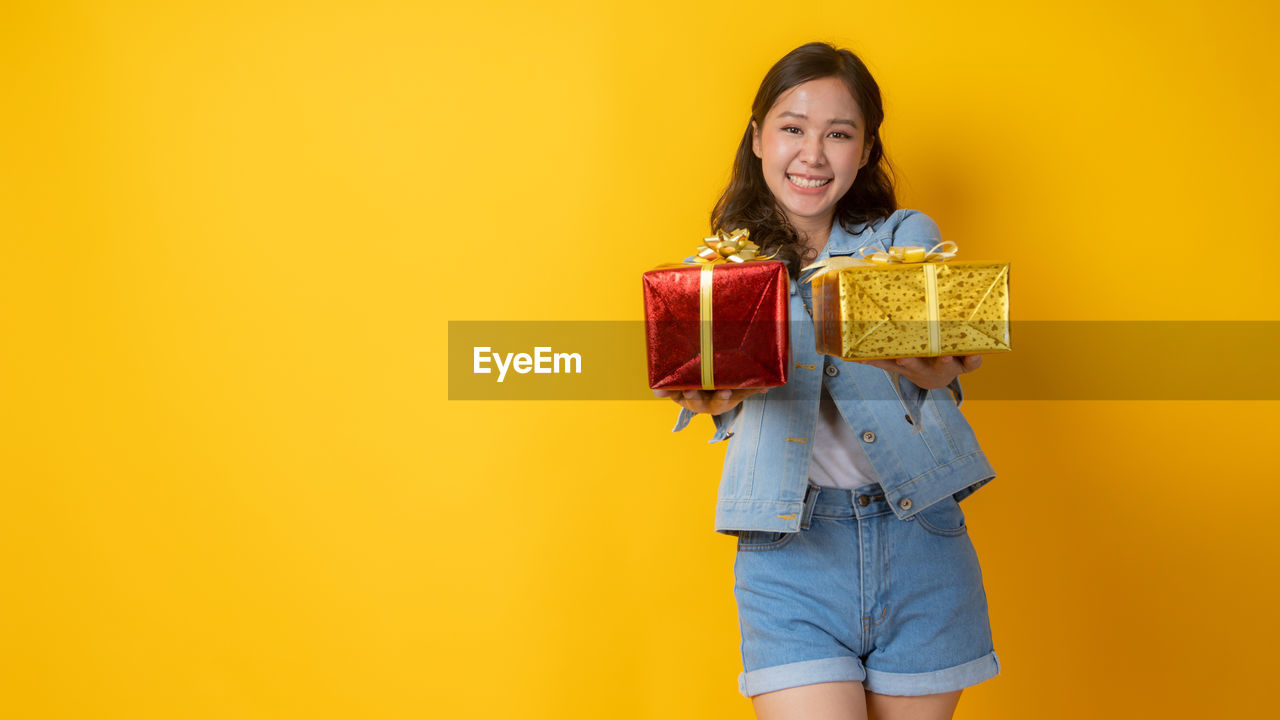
(811, 153)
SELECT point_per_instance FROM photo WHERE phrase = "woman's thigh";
(819, 701)
(916, 707)
(848, 701)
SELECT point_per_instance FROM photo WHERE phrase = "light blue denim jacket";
(918, 442)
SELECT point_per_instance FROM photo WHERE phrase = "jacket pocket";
(763, 540)
(944, 518)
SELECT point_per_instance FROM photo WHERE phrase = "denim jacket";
(918, 442)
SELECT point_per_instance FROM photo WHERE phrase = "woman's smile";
(808, 184)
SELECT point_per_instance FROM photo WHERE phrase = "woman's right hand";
(713, 402)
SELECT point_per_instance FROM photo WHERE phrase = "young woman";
(859, 592)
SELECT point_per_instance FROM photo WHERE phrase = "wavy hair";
(747, 201)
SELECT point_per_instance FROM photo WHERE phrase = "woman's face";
(811, 147)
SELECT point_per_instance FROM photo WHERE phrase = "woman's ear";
(866, 153)
(755, 138)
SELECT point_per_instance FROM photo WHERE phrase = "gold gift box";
(889, 310)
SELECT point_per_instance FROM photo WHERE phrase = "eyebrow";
(836, 121)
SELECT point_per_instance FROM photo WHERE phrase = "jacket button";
(863, 500)
(909, 420)
(905, 503)
(832, 371)
(868, 436)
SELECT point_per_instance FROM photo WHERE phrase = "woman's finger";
(883, 364)
(717, 404)
(719, 400)
(679, 397)
(712, 401)
(949, 364)
(916, 365)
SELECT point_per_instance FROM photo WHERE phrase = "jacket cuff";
(912, 394)
(682, 419)
(956, 392)
(722, 422)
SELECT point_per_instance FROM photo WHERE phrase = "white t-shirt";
(838, 458)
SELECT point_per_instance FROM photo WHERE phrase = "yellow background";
(232, 235)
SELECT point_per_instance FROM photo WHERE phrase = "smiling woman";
(811, 154)
(859, 592)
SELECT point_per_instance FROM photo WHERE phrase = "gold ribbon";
(724, 247)
(734, 246)
(931, 307)
(910, 253)
(905, 254)
(704, 328)
(898, 254)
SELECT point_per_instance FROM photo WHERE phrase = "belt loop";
(810, 501)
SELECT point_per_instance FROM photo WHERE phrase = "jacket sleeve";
(723, 422)
(916, 228)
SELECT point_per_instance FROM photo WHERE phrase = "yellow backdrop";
(233, 235)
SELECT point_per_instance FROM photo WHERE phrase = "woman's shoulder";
(909, 227)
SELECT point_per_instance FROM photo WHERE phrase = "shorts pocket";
(943, 518)
(756, 540)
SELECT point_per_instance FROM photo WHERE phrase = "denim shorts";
(859, 594)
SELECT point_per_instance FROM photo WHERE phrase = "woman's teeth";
(802, 182)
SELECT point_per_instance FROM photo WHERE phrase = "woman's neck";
(814, 235)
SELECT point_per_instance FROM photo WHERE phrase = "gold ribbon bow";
(870, 254)
(910, 253)
(725, 246)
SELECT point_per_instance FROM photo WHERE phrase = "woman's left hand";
(929, 373)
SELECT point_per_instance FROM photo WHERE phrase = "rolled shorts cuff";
(938, 681)
(807, 672)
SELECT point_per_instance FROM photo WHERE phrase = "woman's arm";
(917, 228)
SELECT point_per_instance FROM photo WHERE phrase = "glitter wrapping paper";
(883, 310)
(749, 331)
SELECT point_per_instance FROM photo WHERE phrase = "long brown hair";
(747, 201)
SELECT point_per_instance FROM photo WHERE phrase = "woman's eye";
(839, 134)
(789, 128)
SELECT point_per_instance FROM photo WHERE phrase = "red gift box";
(746, 304)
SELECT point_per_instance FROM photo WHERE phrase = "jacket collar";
(843, 242)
